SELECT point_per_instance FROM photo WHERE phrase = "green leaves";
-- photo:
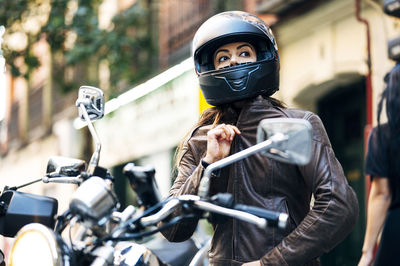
(78, 42)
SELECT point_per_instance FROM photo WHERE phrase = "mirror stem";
(94, 161)
(24, 185)
(205, 181)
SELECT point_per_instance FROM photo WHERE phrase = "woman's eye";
(244, 54)
(223, 58)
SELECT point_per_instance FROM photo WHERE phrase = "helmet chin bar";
(239, 82)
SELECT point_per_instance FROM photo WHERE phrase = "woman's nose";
(233, 61)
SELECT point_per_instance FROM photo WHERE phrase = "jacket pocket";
(291, 222)
(279, 204)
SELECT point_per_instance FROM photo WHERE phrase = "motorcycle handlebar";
(165, 211)
(258, 216)
(274, 218)
(237, 214)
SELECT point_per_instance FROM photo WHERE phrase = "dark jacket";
(273, 185)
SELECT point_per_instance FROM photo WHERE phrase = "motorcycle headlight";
(35, 244)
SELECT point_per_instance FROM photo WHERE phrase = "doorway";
(343, 112)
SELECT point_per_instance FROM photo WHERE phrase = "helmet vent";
(237, 79)
(238, 84)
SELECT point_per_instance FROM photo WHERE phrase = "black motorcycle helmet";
(242, 81)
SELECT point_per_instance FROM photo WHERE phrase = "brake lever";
(62, 179)
(223, 199)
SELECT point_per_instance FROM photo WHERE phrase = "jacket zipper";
(234, 222)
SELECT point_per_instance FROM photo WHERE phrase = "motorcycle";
(93, 232)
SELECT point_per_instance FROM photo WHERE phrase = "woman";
(237, 64)
(383, 165)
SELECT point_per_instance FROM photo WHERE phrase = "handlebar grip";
(278, 219)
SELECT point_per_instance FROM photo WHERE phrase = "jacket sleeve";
(190, 171)
(335, 209)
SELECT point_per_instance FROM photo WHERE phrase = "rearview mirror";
(290, 139)
(91, 107)
(284, 139)
(93, 100)
(64, 166)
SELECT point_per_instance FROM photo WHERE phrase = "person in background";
(383, 166)
(237, 64)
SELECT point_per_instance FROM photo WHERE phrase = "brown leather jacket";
(263, 182)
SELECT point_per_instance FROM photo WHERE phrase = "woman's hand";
(219, 141)
(252, 263)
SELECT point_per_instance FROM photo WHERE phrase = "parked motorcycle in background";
(93, 231)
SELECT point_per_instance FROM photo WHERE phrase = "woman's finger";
(227, 132)
(217, 132)
(237, 131)
(231, 132)
(224, 131)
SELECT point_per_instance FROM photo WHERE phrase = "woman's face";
(235, 53)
